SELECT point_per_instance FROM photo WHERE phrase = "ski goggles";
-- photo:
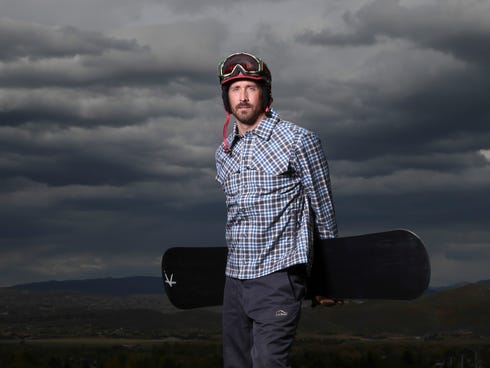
(241, 63)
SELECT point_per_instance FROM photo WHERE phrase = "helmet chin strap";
(226, 146)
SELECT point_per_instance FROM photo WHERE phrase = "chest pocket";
(266, 170)
(228, 175)
(271, 170)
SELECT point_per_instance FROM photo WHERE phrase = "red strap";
(225, 129)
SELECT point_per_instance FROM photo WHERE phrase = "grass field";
(338, 352)
(39, 329)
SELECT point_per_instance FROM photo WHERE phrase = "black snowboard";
(386, 265)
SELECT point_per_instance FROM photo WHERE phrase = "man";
(276, 181)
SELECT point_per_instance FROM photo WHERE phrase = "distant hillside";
(438, 289)
(456, 312)
(459, 310)
(143, 285)
(107, 286)
(484, 282)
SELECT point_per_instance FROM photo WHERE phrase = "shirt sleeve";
(315, 178)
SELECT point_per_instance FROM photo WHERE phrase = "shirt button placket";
(246, 160)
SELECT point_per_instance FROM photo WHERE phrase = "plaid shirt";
(277, 188)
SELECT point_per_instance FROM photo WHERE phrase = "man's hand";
(325, 302)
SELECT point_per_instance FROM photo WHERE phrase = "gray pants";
(260, 317)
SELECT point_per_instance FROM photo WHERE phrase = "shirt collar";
(265, 127)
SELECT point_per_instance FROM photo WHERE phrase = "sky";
(110, 114)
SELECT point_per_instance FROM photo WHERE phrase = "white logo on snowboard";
(170, 281)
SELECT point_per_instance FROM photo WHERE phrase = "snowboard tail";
(194, 276)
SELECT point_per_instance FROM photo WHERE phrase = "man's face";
(245, 98)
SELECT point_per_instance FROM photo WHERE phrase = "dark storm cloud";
(26, 40)
(445, 114)
(97, 151)
(90, 107)
(91, 80)
(408, 134)
(107, 138)
(87, 14)
(40, 56)
(193, 7)
(116, 68)
(455, 28)
(445, 111)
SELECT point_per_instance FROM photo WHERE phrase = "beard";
(247, 114)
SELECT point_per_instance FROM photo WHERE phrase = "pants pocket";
(297, 283)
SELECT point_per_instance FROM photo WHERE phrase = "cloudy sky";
(110, 114)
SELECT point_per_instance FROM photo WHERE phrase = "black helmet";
(245, 66)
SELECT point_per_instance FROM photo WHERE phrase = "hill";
(37, 314)
(437, 289)
(142, 285)
(461, 310)
(105, 286)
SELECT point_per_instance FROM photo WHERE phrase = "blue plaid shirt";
(277, 187)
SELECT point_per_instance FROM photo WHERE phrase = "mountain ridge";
(120, 286)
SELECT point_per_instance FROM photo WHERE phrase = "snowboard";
(385, 265)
